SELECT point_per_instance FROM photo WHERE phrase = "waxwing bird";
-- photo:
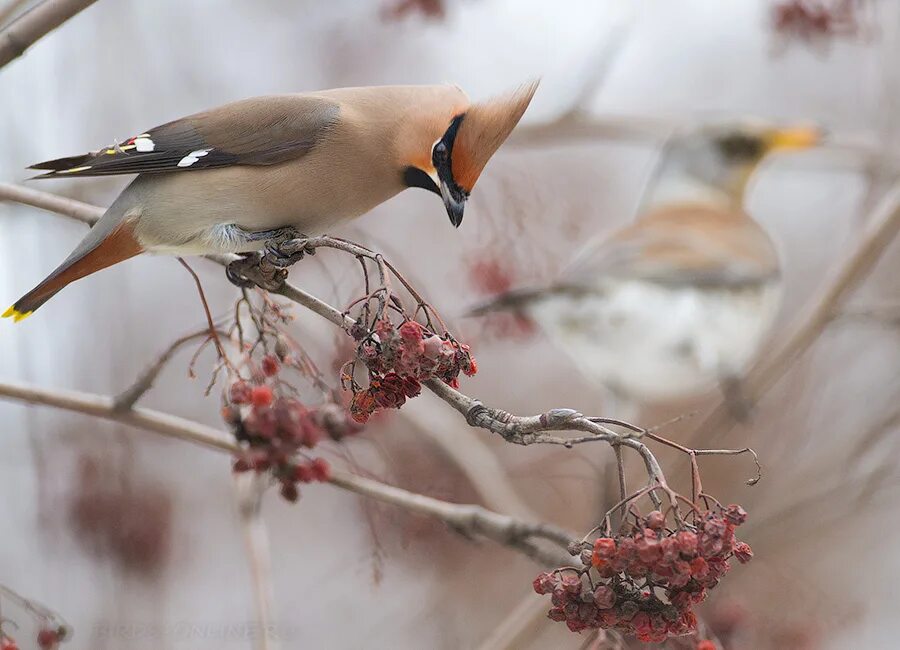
(681, 298)
(241, 177)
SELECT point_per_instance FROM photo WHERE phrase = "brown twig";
(130, 396)
(40, 612)
(35, 24)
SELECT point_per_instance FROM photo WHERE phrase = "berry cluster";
(398, 359)
(809, 19)
(275, 428)
(646, 580)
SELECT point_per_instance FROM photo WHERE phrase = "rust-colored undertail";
(118, 246)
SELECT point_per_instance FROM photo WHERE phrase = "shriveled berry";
(656, 520)
(270, 365)
(687, 542)
(743, 552)
(290, 492)
(604, 597)
(572, 584)
(735, 514)
(605, 547)
(239, 392)
(556, 614)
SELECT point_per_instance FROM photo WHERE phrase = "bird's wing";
(257, 131)
(697, 245)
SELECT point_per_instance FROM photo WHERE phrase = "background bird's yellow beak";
(794, 138)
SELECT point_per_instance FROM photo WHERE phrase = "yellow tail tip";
(15, 314)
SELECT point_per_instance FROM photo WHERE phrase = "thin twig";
(249, 491)
(130, 396)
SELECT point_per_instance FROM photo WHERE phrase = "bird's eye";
(440, 152)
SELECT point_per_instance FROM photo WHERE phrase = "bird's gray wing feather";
(258, 131)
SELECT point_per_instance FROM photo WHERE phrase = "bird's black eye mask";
(741, 147)
(441, 158)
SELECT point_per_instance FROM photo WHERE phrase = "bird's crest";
(483, 129)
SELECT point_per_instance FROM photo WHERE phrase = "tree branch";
(35, 24)
(469, 520)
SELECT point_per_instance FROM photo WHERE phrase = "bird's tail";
(109, 242)
(513, 300)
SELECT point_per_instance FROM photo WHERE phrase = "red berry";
(687, 542)
(321, 470)
(239, 392)
(290, 492)
(572, 584)
(735, 514)
(604, 597)
(699, 567)
(241, 465)
(47, 639)
(743, 552)
(605, 547)
(556, 614)
(411, 331)
(706, 644)
(656, 520)
(270, 365)
(261, 396)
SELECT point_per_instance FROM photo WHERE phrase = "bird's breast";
(656, 342)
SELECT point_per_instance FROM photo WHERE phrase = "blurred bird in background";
(270, 169)
(680, 300)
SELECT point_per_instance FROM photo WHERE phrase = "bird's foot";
(284, 252)
(253, 269)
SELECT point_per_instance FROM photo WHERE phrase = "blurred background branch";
(35, 24)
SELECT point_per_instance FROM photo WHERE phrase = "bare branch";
(35, 24)
(129, 397)
(469, 520)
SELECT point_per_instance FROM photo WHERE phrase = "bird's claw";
(254, 269)
(286, 252)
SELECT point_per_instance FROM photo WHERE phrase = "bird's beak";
(454, 201)
(794, 138)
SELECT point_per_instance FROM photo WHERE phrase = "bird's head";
(723, 156)
(451, 151)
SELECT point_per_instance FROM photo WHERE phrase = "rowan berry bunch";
(808, 20)
(397, 358)
(276, 428)
(646, 579)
